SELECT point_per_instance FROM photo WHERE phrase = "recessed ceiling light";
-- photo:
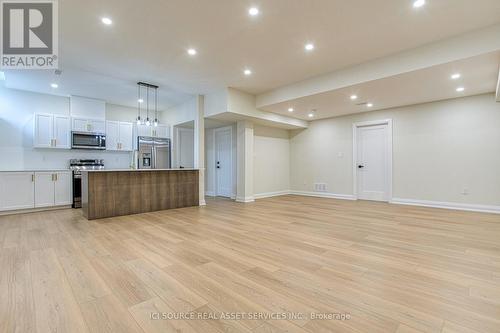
(369, 105)
(353, 97)
(460, 89)
(309, 47)
(254, 11)
(418, 3)
(140, 100)
(54, 85)
(456, 76)
(311, 115)
(192, 52)
(107, 21)
(247, 72)
(290, 109)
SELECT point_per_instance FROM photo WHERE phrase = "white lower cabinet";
(44, 189)
(25, 190)
(17, 190)
(63, 193)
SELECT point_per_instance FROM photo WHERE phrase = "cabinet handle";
(32, 178)
(56, 176)
(55, 142)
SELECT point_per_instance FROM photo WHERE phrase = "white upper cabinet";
(112, 135)
(161, 131)
(79, 124)
(88, 125)
(126, 136)
(62, 132)
(88, 114)
(98, 126)
(143, 130)
(43, 135)
(119, 135)
(51, 131)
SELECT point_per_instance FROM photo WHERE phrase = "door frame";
(176, 146)
(216, 184)
(355, 127)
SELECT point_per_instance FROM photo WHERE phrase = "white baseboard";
(324, 195)
(245, 199)
(210, 193)
(33, 210)
(448, 205)
(271, 194)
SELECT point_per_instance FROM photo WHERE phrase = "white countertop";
(140, 170)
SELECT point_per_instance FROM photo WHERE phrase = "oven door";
(77, 190)
(81, 140)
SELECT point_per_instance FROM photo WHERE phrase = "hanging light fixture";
(140, 101)
(156, 107)
(148, 123)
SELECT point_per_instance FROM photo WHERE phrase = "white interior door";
(186, 148)
(373, 162)
(223, 162)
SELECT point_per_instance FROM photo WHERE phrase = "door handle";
(361, 166)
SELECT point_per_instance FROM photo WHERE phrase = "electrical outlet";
(340, 154)
(319, 187)
(465, 191)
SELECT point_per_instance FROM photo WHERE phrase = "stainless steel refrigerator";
(154, 153)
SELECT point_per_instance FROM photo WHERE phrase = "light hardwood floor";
(391, 268)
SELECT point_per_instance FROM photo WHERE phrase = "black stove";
(77, 166)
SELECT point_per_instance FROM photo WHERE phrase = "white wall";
(17, 109)
(440, 148)
(271, 161)
(180, 114)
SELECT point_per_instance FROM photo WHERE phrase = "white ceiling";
(478, 75)
(148, 42)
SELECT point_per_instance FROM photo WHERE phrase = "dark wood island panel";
(114, 193)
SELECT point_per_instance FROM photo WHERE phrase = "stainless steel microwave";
(85, 140)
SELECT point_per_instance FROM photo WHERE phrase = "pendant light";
(148, 123)
(148, 86)
(156, 107)
(139, 104)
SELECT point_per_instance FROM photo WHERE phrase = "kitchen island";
(108, 193)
